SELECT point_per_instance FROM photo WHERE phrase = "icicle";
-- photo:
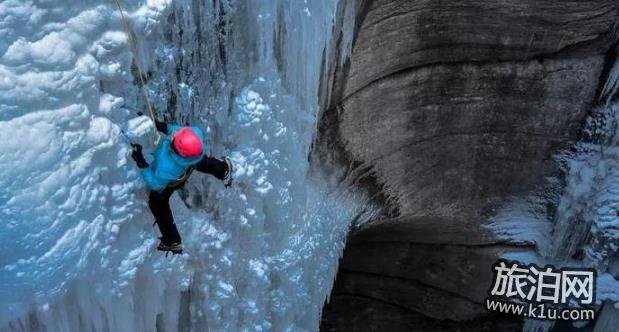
(262, 255)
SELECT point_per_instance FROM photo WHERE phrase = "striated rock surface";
(445, 110)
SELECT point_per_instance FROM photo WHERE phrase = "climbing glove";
(138, 156)
(161, 126)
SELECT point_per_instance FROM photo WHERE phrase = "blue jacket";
(168, 166)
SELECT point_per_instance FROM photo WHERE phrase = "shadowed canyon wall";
(443, 111)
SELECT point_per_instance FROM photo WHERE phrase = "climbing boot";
(228, 176)
(174, 248)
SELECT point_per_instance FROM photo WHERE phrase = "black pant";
(159, 201)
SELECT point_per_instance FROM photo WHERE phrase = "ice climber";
(180, 151)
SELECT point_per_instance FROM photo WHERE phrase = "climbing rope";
(136, 62)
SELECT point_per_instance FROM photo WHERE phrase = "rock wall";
(446, 109)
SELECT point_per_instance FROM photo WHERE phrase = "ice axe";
(134, 146)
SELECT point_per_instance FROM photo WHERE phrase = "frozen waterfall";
(583, 230)
(77, 241)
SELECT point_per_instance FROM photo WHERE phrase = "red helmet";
(186, 143)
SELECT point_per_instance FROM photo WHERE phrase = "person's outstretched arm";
(151, 180)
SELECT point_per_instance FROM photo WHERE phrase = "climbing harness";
(179, 183)
(136, 62)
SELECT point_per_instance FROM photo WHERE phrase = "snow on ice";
(77, 242)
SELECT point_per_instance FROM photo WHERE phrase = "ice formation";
(76, 239)
(585, 228)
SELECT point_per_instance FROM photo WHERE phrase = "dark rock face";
(446, 109)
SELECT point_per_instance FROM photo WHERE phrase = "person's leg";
(216, 167)
(159, 203)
